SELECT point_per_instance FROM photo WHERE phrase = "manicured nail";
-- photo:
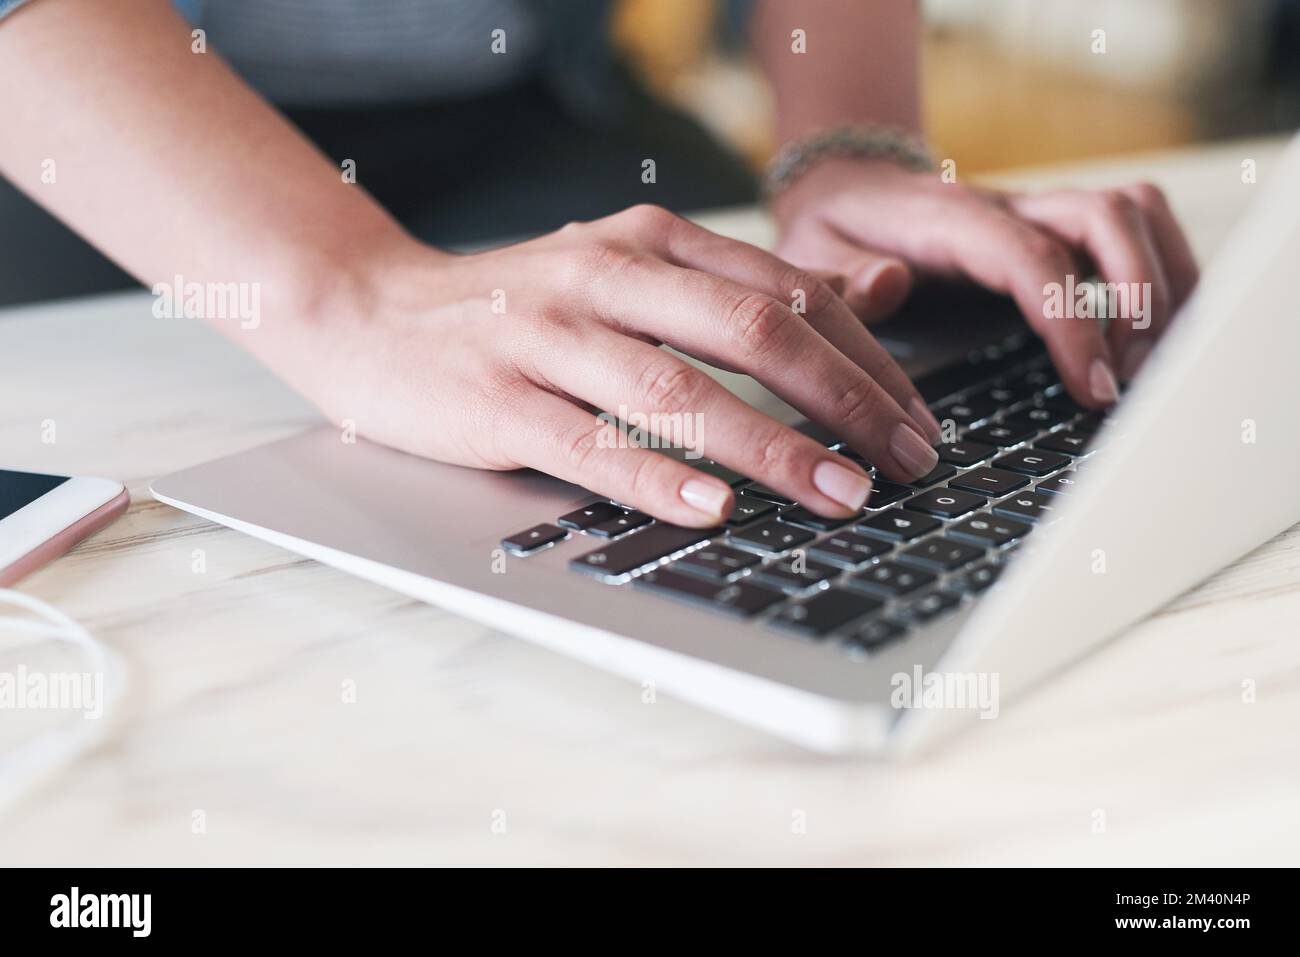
(912, 451)
(923, 417)
(1133, 359)
(705, 496)
(1102, 382)
(843, 485)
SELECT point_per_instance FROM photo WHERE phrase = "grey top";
(349, 52)
(359, 52)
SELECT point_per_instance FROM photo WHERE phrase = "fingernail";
(1133, 359)
(705, 496)
(912, 451)
(1102, 382)
(884, 286)
(925, 418)
(845, 486)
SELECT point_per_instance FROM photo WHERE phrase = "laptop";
(1045, 530)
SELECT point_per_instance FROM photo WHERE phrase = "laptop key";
(854, 456)
(771, 536)
(885, 493)
(1065, 405)
(1089, 422)
(1004, 394)
(875, 632)
(825, 612)
(715, 561)
(1067, 440)
(759, 490)
(1027, 505)
(979, 578)
(900, 525)
(791, 577)
(1000, 434)
(964, 454)
(889, 580)
(1036, 417)
(1005, 555)
(945, 502)
(584, 518)
(748, 510)
(623, 523)
(650, 544)
(534, 538)
(932, 604)
(849, 549)
(718, 470)
(989, 531)
(1058, 484)
(964, 412)
(990, 482)
(1033, 462)
(941, 554)
(1038, 380)
(740, 599)
(936, 475)
(818, 523)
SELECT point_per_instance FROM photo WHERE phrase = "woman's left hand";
(873, 223)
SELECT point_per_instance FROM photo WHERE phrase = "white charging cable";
(25, 769)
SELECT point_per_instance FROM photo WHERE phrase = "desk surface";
(236, 708)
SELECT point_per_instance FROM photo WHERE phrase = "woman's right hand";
(402, 339)
(496, 359)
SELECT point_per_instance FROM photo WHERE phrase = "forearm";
(167, 162)
(861, 66)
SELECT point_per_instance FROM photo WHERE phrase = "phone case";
(63, 541)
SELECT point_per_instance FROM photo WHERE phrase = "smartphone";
(42, 516)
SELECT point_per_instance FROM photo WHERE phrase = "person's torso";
(357, 52)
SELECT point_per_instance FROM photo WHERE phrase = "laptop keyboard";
(916, 551)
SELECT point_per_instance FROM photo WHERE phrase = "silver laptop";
(1045, 530)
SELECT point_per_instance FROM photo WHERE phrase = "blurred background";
(1174, 72)
(1006, 83)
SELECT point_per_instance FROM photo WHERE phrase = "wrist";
(831, 176)
(858, 141)
(323, 308)
(349, 285)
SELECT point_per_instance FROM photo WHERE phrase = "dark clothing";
(510, 164)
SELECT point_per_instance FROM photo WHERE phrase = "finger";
(692, 247)
(680, 403)
(875, 285)
(972, 237)
(560, 439)
(1112, 230)
(730, 325)
(1175, 254)
(835, 280)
